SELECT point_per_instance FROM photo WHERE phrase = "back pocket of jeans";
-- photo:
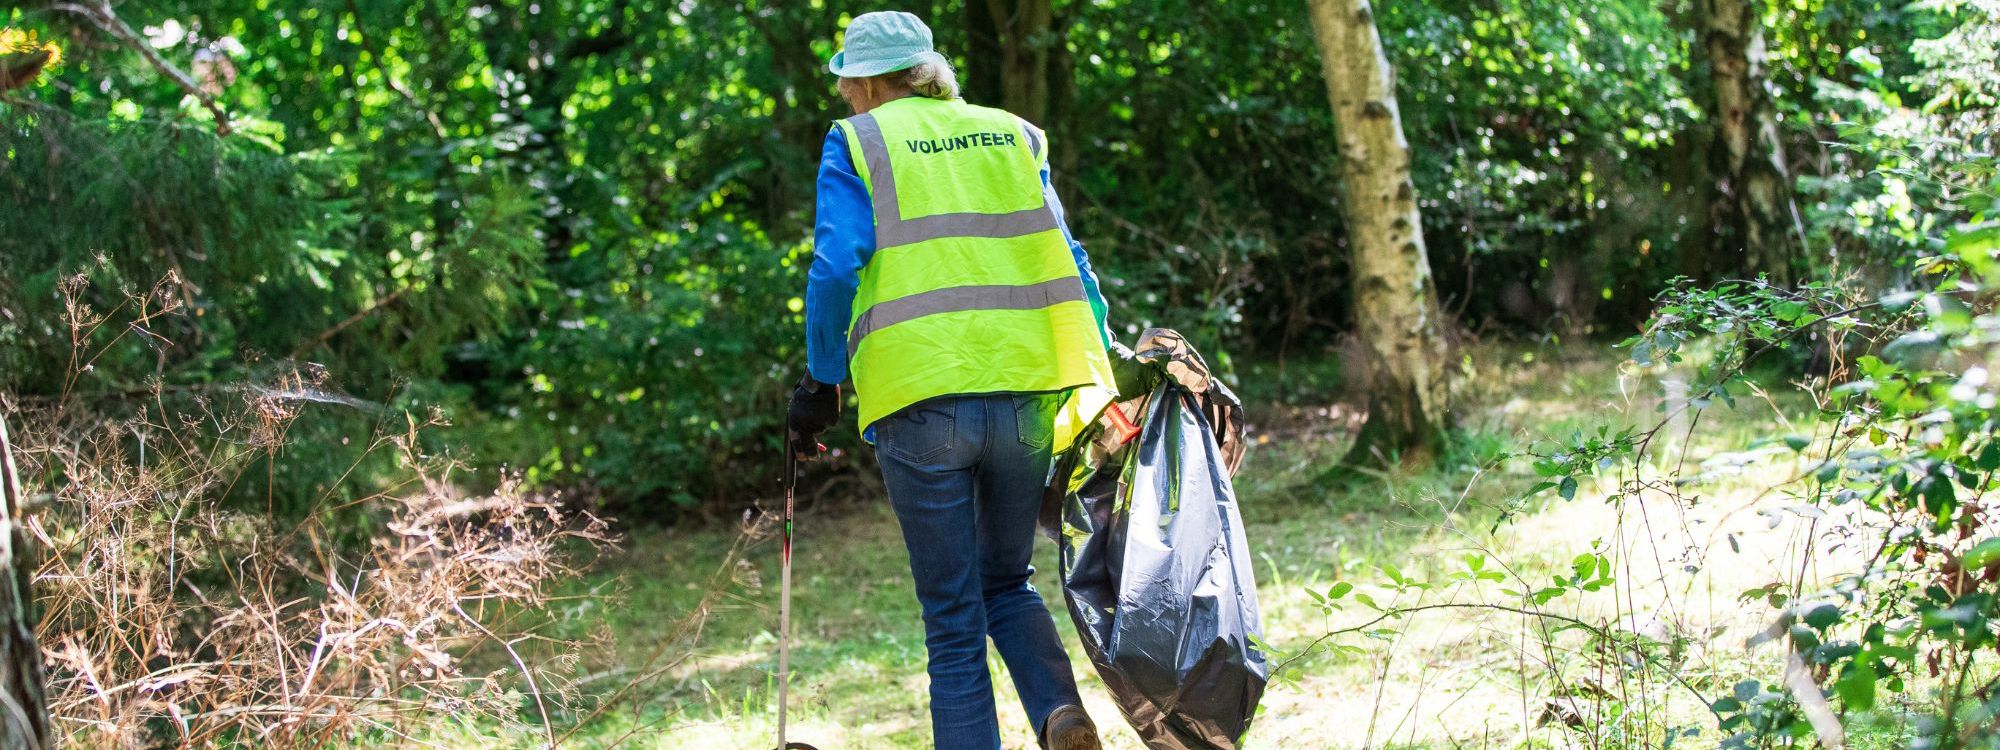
(921, 432)
(1035, 419)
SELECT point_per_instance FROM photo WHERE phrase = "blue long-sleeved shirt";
(844, 240)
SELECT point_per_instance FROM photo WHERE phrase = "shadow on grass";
(858, 658)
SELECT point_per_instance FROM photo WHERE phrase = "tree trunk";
(1062, 94)
(1022, 33)
(1756, 187)
(981, 76)
(24, 723)
(1395, 303)
(1690, 173)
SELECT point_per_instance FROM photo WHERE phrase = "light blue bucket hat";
(883, 42)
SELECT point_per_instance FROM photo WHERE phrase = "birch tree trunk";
(23, 709)
(1755, 183)
(1395, 302)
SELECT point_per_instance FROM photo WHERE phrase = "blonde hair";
(934, 79)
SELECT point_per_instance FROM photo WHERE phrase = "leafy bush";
(1896, 356)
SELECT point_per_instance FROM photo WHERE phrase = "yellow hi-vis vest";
(972, 288)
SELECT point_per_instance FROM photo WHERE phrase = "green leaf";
(1394, 573)
(1940, 498)
(1746, 690)
(1339, 590)
(1260, 645)
(1568, 490)
(1856, 685)
(1975, 242)
(1789, 311)
(1822, 616)
(1584, 565)
(1982, 554)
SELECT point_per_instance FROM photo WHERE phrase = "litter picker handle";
(785, 590)
(1121, 425)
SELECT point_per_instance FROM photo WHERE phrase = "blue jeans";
(965, 476)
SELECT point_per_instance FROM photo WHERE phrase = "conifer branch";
(107, 19)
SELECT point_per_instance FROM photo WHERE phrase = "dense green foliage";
(578, 226)
(1906, 428)
(577, 230)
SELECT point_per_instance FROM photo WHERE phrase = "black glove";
(815, 409)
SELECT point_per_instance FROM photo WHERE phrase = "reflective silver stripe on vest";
(961, 298)
(995, 226)
(892, 230)
(1034, 143)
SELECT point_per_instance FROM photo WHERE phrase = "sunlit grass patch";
(1671, 576)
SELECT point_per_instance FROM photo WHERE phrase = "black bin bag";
(1154, 561)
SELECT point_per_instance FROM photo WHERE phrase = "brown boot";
(1069, 728)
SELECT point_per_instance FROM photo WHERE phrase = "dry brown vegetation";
(173, 616)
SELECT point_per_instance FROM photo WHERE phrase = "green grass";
(1444, 678)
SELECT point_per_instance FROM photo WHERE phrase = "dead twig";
(1401, 611)
(263, 626)
(345, 323)
(527, 673)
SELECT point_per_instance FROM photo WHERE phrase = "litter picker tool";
(792, 446)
